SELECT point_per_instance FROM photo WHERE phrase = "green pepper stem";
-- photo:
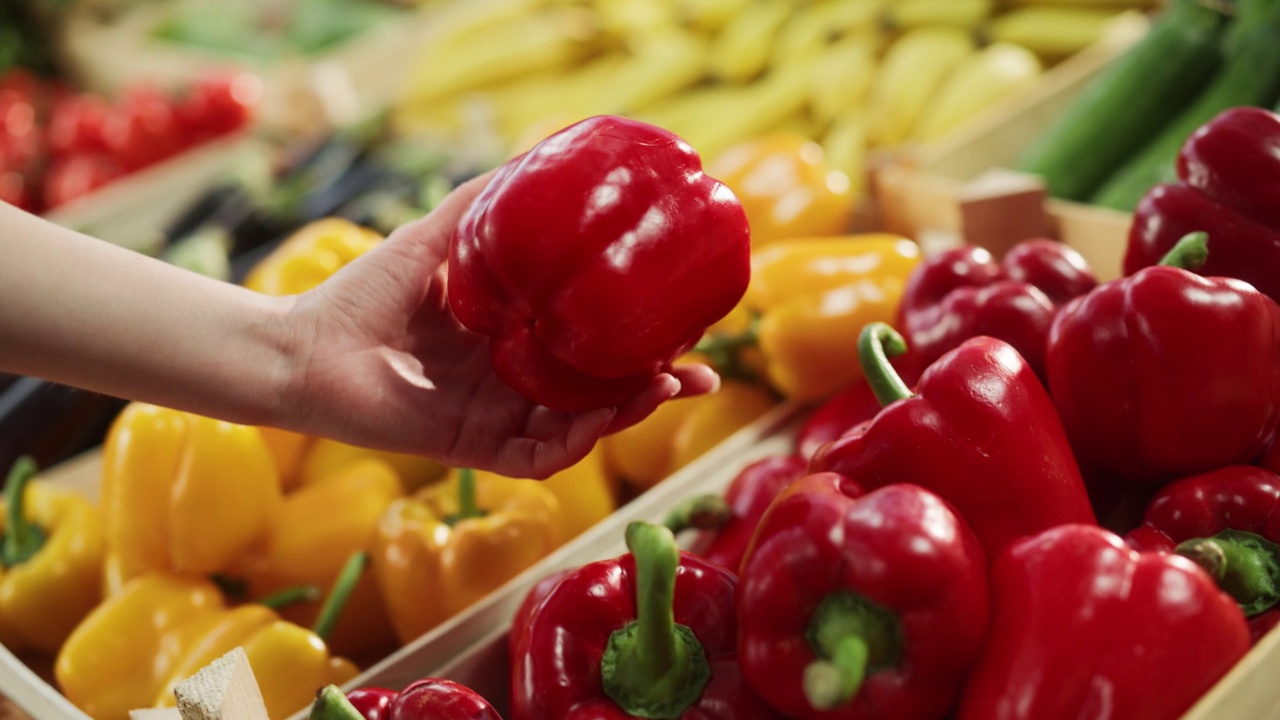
(701, 512)
(828, 684)
(332, 704)
(850, 637)
(653, 667)
(341, 591)
(467, 507)
(724, 350)
(22, 538)
(876, 344)
(1245, 565)
(1189, 253)
(291, 595)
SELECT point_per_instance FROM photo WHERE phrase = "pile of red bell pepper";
(1044, 498)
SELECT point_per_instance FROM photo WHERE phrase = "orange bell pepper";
(450, 544)
(681, 430)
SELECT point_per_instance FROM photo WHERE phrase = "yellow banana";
(746, 111)
(666, 62)
(810, 31)
(909, 72)
(844, 144)
(902, 15)
(709, 16)
(634, 18)
(1053, 33)
(842, 77)
(551, 39)
(741, 49)
(978, 82)
(1112, 4)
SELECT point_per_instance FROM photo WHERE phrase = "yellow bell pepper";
(159, 629)
(183, 493)
(452, 543)
(681, 430)
(314, 531)
(585, 491)
(811, 297)
(303, 261)
(786, 186)
(309, 256)
(51, 557)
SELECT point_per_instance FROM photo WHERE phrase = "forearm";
(83, 312)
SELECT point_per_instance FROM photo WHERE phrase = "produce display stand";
(960, 190)
(450, 647)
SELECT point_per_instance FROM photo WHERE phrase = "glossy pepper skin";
(651, 633)
(1227, 172)
(1166, 373)
(787, 187)
(50, 561)
(1088, 627)
(441, 549)
(1228, 521)
(312, 534)
(309, 256)
(183, 493)
(641, 456)
(596, 259)
(749, 495)
(850, 407)
(158, 629)
(810, 297)
(424, 699)
(964, 292)
(980, 431)
(861, 606)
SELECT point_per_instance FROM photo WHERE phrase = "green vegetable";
(1128, 102)
(1251, 76)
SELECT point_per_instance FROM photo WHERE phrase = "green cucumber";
(1128, 102)
(1251, 76)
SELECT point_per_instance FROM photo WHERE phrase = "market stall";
(987, 285)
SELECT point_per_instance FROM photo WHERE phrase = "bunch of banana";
(854, 75)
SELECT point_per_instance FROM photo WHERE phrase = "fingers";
(539, 459)
(430, 233)
(696, 379)
(663, 387)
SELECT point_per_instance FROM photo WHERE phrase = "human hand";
(385, 364)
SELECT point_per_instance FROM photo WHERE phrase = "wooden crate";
(959, 190)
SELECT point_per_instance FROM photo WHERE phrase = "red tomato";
(143, 129)
(77, 125)
(77, 175)
(219, 104)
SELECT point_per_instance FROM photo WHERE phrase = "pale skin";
(371, 357)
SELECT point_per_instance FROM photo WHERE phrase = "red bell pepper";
(981, 432)
(1166, 373)
(1089, 628)
(649, 634)
(425, 699)
(750, 493)
(850, 407)
(963, 292)
(1229, 171)
(1228, 521)
(861, 606)
(596, 259)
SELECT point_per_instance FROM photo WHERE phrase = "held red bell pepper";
(1089, 628)
(750, 493)
(981, 432)
(861, 606)
(652, 633)
(1166, 373)
(1228, 521)
(1229, 171)
(425, 699)
(596, 259)
(963, 292)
